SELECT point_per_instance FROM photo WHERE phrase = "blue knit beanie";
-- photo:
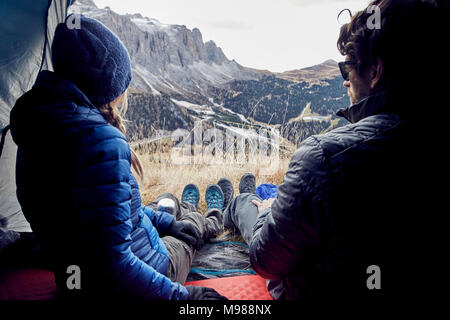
(93, 58)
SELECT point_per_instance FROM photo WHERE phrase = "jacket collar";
(377, 103)
(61, 88)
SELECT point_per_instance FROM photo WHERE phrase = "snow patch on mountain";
(206, 110)
(151, 25)
(168, 58)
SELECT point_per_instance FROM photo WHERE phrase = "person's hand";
(203, 293)
(264, 204)
(186, 232)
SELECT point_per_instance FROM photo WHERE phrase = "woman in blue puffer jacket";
(74, 178)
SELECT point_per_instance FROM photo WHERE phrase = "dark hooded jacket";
(359, 196)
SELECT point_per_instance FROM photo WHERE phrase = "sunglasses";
(346, 67)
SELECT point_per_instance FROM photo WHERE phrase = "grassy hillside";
(162, 175)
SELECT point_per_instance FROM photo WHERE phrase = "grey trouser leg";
(180, 253)
(241, 215)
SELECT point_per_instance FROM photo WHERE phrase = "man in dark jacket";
(350, 219)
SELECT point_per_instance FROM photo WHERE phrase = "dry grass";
(162, 175)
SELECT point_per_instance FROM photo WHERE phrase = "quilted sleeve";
(285, 233)
(103, 198)
(160, 219)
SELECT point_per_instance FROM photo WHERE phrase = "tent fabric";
(26, 31)
(11, 216)
(8, 237)
(22, 34)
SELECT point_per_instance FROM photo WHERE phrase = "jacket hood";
(53, 104)
(377, 103)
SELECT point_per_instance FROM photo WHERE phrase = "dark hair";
(358, 41)
(411, 42)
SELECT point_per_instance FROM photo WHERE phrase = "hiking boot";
(227, 189)
(247, 183)
(214, 197)
(191, 194)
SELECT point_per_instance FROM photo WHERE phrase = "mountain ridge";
(198, 51)
(179, 79)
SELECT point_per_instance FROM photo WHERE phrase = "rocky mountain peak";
(178, 78)
(330, 62)
(168, 58)
(314, 74)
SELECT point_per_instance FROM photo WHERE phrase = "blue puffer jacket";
(76, 188)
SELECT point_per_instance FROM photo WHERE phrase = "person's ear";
(376, 74)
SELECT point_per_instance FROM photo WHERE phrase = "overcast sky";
(277, 35)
